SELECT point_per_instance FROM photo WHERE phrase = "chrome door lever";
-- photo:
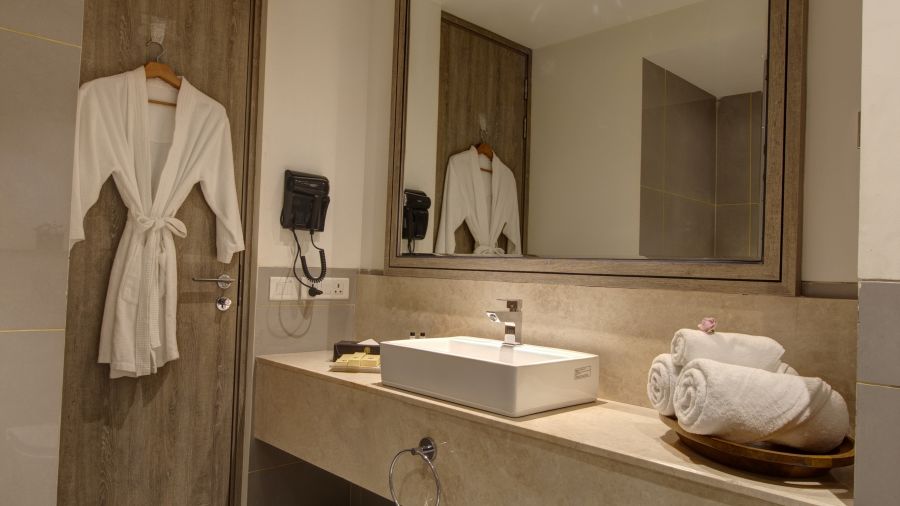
(224, 281)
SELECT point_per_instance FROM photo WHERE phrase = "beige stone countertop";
(622, 432)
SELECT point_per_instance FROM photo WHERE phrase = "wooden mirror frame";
(777, 272)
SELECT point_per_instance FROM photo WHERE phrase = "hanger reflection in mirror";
(156, 69)
(483, 147)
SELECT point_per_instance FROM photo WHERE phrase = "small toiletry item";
(412, 335)
(344, 347)
(357, 362)
(421, 335)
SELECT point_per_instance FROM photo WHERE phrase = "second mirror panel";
(576, 129)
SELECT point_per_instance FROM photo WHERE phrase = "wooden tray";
(765, 458)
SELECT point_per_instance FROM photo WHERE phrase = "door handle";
(224, 281)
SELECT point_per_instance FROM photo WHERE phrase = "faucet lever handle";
(512, 304)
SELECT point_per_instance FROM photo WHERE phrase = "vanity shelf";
(350, 425)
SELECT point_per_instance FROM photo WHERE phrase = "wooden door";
(164, 438)
(482, 73)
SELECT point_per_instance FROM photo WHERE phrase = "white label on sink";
(583, 372)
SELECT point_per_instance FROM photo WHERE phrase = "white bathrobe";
(155, 154)
(487, 203)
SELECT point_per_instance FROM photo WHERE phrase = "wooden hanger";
(486, 150)
(156, 69)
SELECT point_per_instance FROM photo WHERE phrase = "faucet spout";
(511, 320)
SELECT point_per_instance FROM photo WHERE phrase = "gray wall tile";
(733, 150)
(36, 149)
(297, 326)
(733, 231)
(296, 484)
(291, 328)
(30, 399)
(756, 155)
(652, 235)
(755, 230)
(877, 445)
(652, 126)
(690, 140)
(265, 456)
(688, 228)
(56, 19)
(879, 332)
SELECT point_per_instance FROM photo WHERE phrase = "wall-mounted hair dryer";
(305, 205)
(415, 217)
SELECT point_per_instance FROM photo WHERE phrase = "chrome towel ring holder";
(427, 449)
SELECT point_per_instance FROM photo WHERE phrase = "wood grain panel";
(165, 438)
(481, 73)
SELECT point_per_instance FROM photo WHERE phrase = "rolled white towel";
(663, 376)
(738, 349)
(661, 382)
(786, 369)
(744, 405)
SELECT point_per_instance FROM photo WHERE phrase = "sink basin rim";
(559, 354)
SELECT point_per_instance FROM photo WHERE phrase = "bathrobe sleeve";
(454, 206)
(217, 183)
(509, 213)
(98, 143)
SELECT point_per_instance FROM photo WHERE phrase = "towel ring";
(428, 451)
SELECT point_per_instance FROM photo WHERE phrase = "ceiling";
(728, 59)
(540, 23)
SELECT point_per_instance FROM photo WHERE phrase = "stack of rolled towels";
(735, 387)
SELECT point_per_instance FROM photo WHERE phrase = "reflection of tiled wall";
(738, 175)
(700, 170)
(40, 53)
(678, 167)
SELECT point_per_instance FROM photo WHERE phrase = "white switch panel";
(287, 288)
(333, 288)
(283, 289)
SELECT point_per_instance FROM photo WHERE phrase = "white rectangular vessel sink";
(485, 374)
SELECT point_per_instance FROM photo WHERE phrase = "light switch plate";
(283, 288)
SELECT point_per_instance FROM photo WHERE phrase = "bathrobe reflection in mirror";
(155, 155)
(486, 201)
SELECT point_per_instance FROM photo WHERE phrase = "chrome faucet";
(511, 320)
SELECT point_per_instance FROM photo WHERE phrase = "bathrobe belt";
(488, 250)
(147, 336)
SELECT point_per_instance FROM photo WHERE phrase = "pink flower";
(707, 325)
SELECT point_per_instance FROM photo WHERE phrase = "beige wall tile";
(626, 328)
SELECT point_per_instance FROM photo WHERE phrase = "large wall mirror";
(646, 143)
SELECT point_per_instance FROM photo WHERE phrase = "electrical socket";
(332, 288)
(287, 288)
